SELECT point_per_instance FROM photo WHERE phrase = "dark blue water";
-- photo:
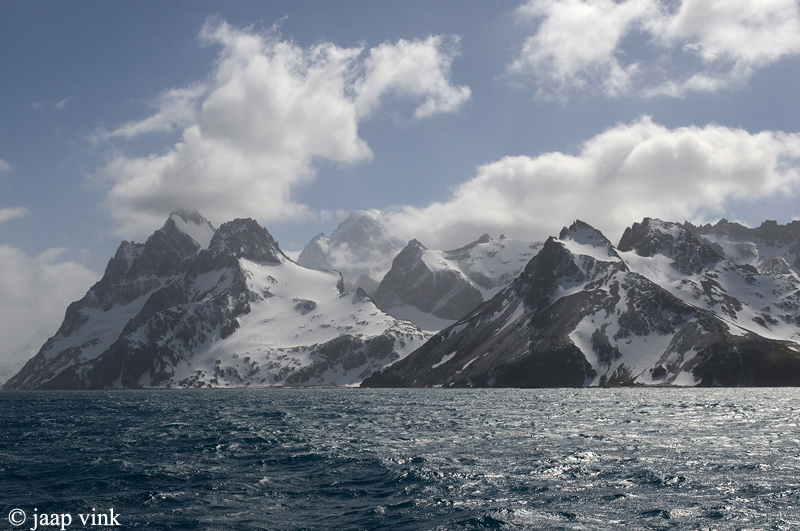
(405, 459)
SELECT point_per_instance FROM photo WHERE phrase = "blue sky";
(455, 117)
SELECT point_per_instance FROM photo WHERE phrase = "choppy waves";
(408, 459)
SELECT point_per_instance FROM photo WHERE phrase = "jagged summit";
(652, 237)
(245, 238)
(753, 246)
(776, 266)
(769, 230)
(583, 239)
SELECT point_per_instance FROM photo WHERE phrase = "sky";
(455, 117)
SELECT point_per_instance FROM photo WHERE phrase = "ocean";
(291, 459)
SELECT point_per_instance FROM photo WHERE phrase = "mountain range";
(199, 306)
(662, 308)
(196, 306)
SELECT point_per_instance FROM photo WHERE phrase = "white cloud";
(176, 108)
(750, 32)
(409, 69)
(620, 176)
(9, 213)
(36, 291)
(691, 45)
(268, 112)
(577, 42)
(5, 167)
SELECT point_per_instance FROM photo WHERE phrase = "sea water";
(402, 459)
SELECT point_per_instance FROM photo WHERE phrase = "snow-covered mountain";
(436, 288)
(584, 313)
(672, 304)
(770, 247)
(194, 306)
(758, 294)
(361, 249)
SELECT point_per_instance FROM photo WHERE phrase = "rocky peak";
(650, 237)
(582, 232)
(553, 265)
(653, 236)
(581, 254)
(165, 253)
(409, 258)
(245, 238)
(591, 239)
(420, 280)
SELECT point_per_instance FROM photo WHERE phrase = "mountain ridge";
(670, 304)
(580, 315)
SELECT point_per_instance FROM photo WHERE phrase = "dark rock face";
(651, 237)
(157, 280)
(245, 238)
(136, 272)
(445, 293)
(579, 316)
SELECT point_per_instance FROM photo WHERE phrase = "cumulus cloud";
(412, 68)
(622, 175)
(269, 111)
(691, 45)
(577, 42)
(36, 291)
